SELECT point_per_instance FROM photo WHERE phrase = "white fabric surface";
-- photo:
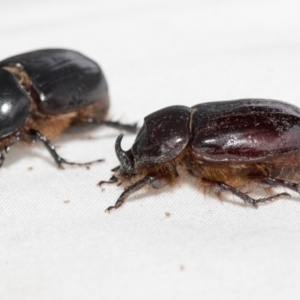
(154, 54)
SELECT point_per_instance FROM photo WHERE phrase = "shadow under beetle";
(45, 92)
(228, 144)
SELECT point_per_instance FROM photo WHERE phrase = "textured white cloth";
(56, 242)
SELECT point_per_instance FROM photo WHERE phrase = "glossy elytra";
(228, 144)
(45, 92)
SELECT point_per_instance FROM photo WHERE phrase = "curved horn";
(124, 157)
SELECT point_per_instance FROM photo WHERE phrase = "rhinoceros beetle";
(228, 144)
(45, 92)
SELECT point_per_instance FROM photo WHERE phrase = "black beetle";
(45, 92)
(228, 143)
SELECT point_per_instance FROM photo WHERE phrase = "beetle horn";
(125, 157)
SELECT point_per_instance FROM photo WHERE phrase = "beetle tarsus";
(114, 124)
(108, 210)
(58, 159)
(126, 127)
(255, 202)
(130, 190)
(71, 163)
(246, 198)
(113, 179)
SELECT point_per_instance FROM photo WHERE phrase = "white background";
(154, 53)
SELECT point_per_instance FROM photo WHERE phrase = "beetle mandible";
(45, 92)
(226, 143)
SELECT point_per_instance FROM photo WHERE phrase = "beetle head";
(125, 158)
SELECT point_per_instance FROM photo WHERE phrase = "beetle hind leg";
(36, 135)
(279, 182)
(132, 128)
(245, 197)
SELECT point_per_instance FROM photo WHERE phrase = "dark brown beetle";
(45, 92)
(228, 144)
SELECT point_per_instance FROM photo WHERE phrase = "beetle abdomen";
(64, 80)
(286, 167)
(244, 131)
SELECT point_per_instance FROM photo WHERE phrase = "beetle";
(45, 92)
(228, 144)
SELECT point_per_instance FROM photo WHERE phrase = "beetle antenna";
(123, 156)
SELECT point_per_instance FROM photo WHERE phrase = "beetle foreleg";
(113, 179)
(130, 190)
(245, 197)
(58, 159)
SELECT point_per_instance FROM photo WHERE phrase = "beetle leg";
(2, 158)
(126, 127)
(287, 184)
(245, 197)
(130, 190)
(117, 125)
(58, 159)
(113, 179)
